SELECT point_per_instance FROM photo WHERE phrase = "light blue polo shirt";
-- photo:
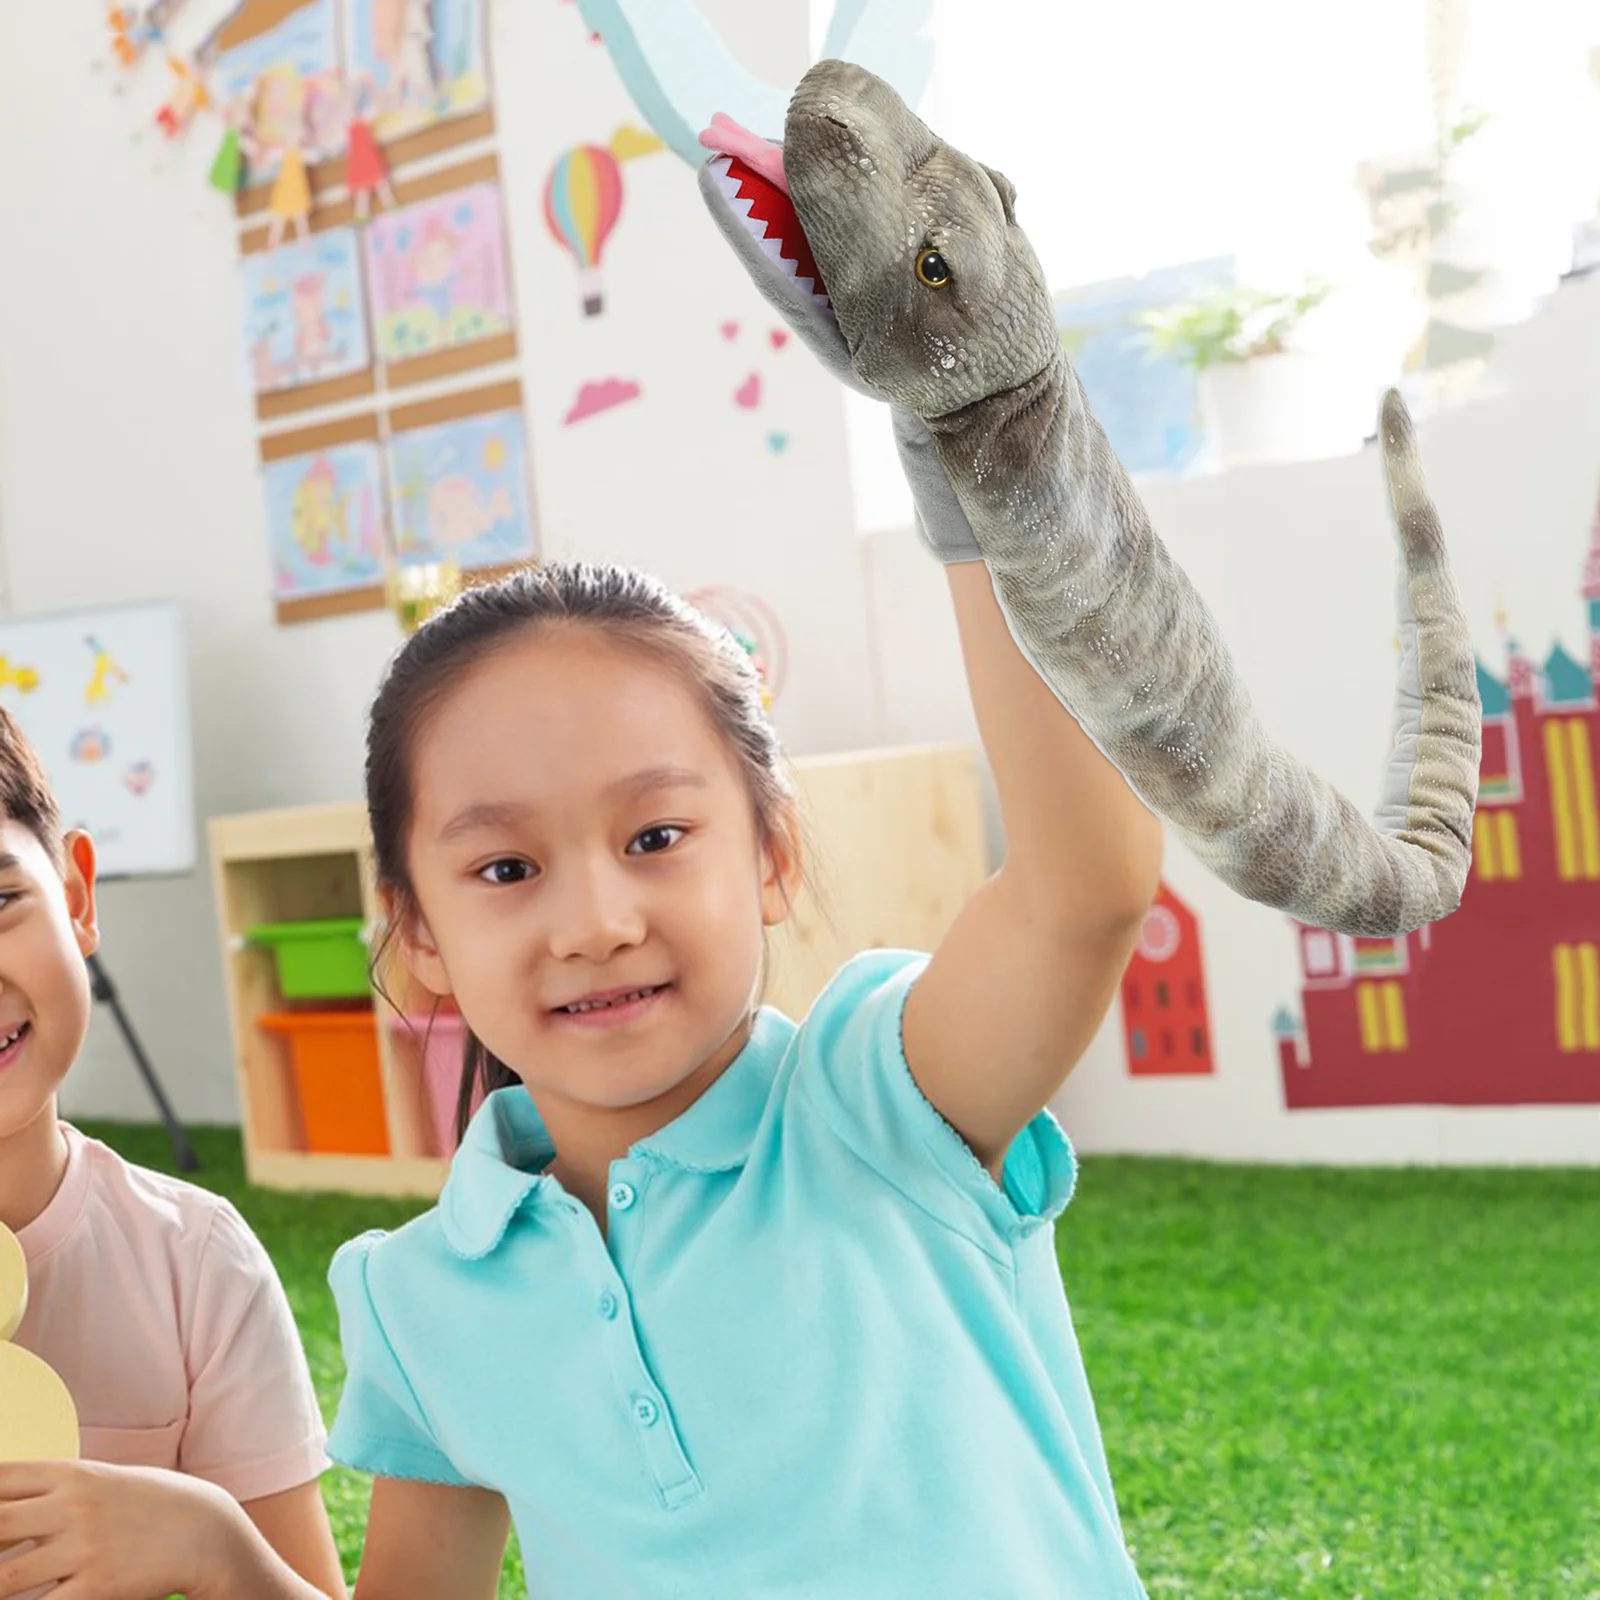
(820, 1353)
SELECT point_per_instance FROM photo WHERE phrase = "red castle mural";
(1498, 1004)
(1164, 1021)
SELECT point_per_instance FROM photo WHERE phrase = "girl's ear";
(414, 942)
(78, 879)
(782, 872)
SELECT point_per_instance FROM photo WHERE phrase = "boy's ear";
(414, 942)
(78, 880)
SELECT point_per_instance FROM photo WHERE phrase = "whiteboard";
(103, 696)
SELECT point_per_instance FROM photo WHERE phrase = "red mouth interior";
(772, 216)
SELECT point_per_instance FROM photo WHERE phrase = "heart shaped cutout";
(748, 394)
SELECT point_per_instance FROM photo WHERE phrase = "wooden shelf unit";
(898, 847)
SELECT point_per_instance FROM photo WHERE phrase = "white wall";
(128, 469)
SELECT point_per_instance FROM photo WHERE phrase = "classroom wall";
(127, 470)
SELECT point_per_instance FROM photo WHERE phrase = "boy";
(201, 1437)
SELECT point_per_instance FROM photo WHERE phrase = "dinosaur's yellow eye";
(932, 269)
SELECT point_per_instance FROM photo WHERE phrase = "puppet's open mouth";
(769, 217)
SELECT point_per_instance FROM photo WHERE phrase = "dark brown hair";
(25, 795)
(630, 609)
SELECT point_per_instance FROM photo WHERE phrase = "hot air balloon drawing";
(583, 199)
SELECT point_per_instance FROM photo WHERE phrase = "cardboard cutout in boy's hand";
(37, 1418)
(38, 1421)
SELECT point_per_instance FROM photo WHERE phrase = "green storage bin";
(324, 960)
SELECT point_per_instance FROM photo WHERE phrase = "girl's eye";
(654, 840)
(509, 870)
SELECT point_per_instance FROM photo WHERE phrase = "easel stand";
(101, 987)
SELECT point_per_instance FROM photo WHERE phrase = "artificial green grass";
(1357, 1385)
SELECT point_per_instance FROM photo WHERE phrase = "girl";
(714, 1304)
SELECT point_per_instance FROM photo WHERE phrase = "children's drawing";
(593, 398)
(426, 59)
(303, 315)
(325, 521)
(289, 79)
(138, 778)
(461, 492)
(90, 746)
(104, 675)
(754, 624)
(438, 273)
(13, 675)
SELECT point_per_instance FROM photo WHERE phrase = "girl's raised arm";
(1020, 983)
(427, 1540)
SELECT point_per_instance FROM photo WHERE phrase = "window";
(1320, 952)
(1138, 1045)
(1572, 801)
(1163, 996)
(1132, 994)
(1577, 971)
(1381, 1013)
(1485, 858)
(1510, 847)
(1197, 1042)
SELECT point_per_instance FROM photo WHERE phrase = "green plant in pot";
(1237, 339)
(1231, 323)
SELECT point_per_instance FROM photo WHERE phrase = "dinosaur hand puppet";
(898, 260)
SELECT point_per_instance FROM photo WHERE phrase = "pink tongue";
(727, 138)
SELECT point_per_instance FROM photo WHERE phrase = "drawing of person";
(311, 333)
(434, 269)
(366, 172)
(317, 513)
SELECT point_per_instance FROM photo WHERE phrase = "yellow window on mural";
(1577, 997)
(1485, 858)
(1510, 845)
(1572, 798)
(1381, 1012)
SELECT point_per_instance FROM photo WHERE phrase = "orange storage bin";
(334, 1055)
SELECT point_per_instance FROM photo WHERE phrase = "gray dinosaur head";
(910, 252)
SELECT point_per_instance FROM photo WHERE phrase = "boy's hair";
(25, 795)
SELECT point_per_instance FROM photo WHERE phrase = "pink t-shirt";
(163, 1314)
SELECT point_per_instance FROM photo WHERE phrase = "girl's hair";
(630, 609)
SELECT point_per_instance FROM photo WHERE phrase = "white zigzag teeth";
(771, 243)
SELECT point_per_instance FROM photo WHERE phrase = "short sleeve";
(380, 1428)
(254, 1427)
(853, 1069)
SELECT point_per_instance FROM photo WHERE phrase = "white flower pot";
(1285, 407)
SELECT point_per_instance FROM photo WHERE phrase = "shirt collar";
(506, 1147)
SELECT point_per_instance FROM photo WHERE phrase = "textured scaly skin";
(1101, 609)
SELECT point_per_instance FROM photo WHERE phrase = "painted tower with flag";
(1499, 1003)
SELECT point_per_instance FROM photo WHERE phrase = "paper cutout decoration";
(1499, 1003)
(777, 443)
(104, 674)
(91, 746)
(426, 60)
(366, 172)
(37, 1418)
(1165, 1023)
(325, 521)
(13, 675)
(139, 777)
(284, 85)
(680, 73)
(290, 203)
(748, 394)
(187, 96)
(755, 625)
(438, 274)
(460, 492)
(303, 318)
(582, 201)
(593, 398)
